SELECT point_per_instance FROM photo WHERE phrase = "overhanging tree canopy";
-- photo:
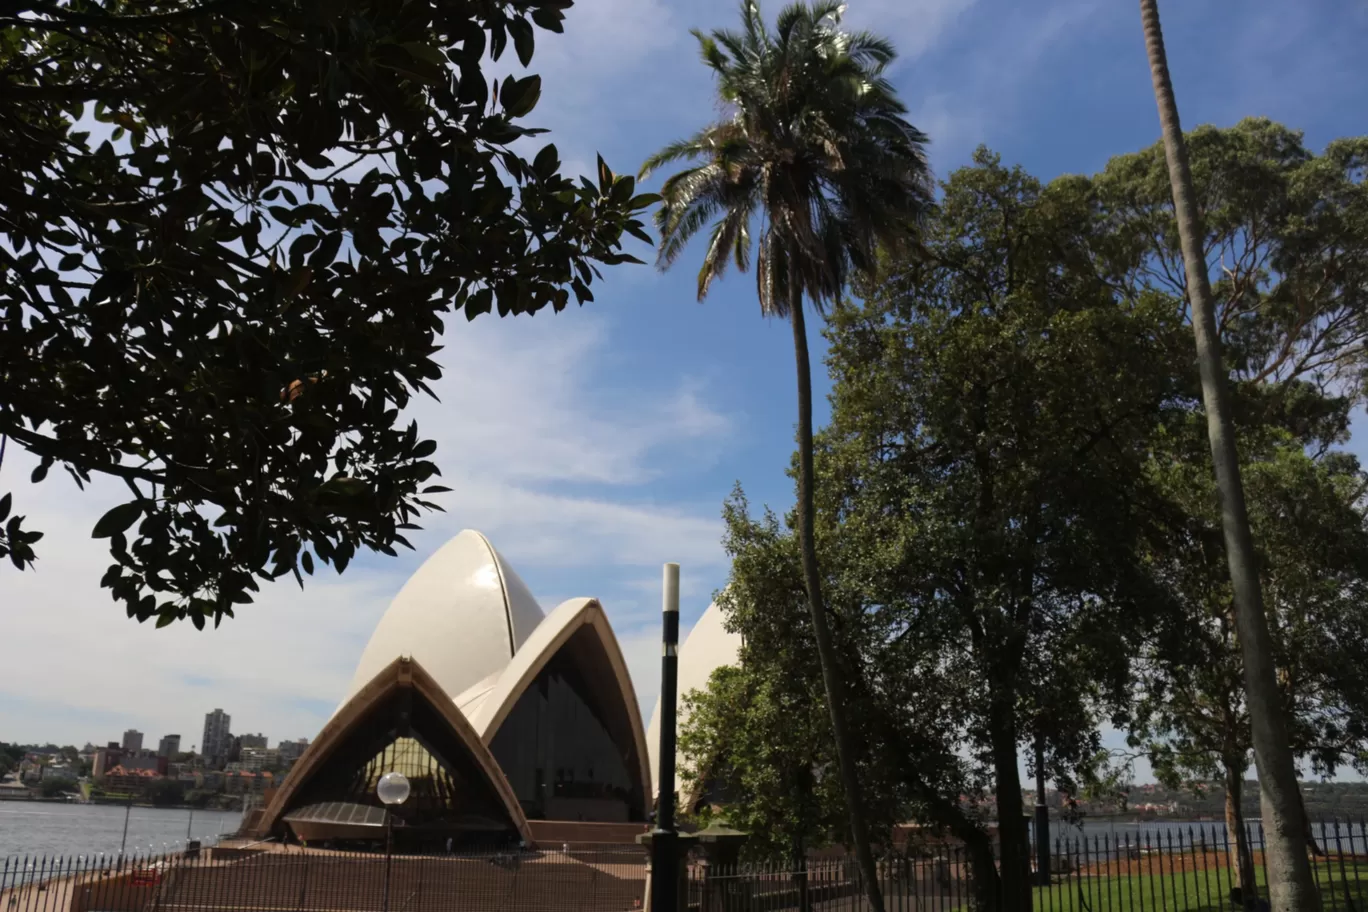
(229, 233)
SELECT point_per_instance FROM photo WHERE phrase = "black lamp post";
(123, 840)
(664, 838)
(392, 790)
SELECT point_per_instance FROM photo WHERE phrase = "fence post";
(721, 850)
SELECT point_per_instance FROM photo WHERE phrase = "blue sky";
(594, 445)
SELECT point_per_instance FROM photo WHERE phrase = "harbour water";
(42, 828)
(1101, 834)
(39, 828)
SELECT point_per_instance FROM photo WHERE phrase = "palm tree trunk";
(812, 581)
(1290, 882)
(1241, 859)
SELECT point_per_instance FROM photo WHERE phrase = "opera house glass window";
(407, 735)
(566, 746)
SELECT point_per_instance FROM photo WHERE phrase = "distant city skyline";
(134, 740)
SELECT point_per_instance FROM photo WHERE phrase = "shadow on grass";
(1339, 893)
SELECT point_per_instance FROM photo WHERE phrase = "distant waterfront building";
(290, 750)
(106, 758)
(13, 788)
(256, 759)
(169, 746)
(129, 781)
(217, 736)
(132, 741)
(58, 771)
(257, 740)
(245, 782)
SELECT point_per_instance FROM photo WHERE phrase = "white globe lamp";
(392, 789)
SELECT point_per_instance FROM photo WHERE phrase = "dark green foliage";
(759, 736)
(51, 788)
(1286, 243)
(229, 236)
(10, 755)
(1286, 238)
(1307, 516)
(991, 409)
(166, 792)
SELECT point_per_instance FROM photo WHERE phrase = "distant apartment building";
(58, 771)
(132, 741)
(290, 751)
(169, 746)
(146, 760)
(256, 759)
(106, 758)
(257, 740)
(13, 788)
(129, 781)
(218, 738)
(244, 782)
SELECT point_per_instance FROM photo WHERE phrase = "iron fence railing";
(316, 880)
(1152, 868)
(1146, 868)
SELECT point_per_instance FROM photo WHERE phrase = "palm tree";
(1291, 885)
(815, 165)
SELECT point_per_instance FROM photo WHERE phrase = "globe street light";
(392, 790)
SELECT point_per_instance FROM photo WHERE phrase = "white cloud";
(914, 26)
(555, 433)
(545, 451)
(969, 64)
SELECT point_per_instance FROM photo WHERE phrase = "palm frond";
(712, 55)
(753, 22)
(870, 50)
(683, 225)
(717, 140)
(817, 146)
(772, 276)
(719, 250)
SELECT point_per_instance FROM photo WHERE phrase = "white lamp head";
(393, 788)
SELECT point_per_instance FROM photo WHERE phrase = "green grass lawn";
(1189, 892)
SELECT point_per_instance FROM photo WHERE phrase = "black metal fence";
(226, 880)
(1147, 868)
(1155, 868)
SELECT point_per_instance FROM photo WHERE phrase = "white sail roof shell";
(708, 646)
(462, 615)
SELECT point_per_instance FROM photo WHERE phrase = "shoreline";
(119, 802)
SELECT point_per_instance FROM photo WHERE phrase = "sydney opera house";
(512, 724)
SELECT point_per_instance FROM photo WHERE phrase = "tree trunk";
(826, 652)
(1311, 844)
(801, 875)
(1237, 839)
(1013, 859)
(1291, 885)
(984, 885)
